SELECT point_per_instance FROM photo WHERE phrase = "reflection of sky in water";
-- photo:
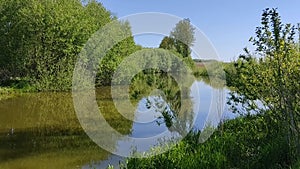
(202, 103)
(201, 96)
(143, 114)
(145, 124)
(208, 105)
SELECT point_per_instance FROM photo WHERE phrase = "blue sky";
(228, 25)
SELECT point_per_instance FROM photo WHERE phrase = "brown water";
(41, 130)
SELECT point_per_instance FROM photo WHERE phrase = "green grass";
(6, 93)
(244, 143)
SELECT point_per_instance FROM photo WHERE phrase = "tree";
(114, 57)
(181, 38)
(272, 76)
(40, 39)
(167, 43)
(11, 39)
(183, 35)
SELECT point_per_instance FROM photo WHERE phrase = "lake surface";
(41, 130)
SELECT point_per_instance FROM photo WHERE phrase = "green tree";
(11, 41)
(181, 38)
(183, 35)
(167, 43)
(41, 39)
(114, 57)
(272, 76)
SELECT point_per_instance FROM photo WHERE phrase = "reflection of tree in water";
(166, 97)
(216, 83)
(42, 124)
(159, 105)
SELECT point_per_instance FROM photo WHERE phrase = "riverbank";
(244, 142)
(6, 92)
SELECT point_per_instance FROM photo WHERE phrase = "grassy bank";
(6, 93)
(244, 143)
(213, 69)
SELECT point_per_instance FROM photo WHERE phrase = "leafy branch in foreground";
(271, 77)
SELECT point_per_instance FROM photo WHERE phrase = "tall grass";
(244, 143)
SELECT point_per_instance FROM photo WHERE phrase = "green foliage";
(273, 78)
(184, 32)
(297, 165)
(6, 93)
(245, 142)
(212, 69)
(268, 139)
(40, 41)
(181, 38)
(167, 43)
(114, 57)
(159, 60)
(183, 35)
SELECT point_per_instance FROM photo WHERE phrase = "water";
(41, 130)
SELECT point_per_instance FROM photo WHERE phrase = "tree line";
(41, 39)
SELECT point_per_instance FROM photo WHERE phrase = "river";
(41, 130)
